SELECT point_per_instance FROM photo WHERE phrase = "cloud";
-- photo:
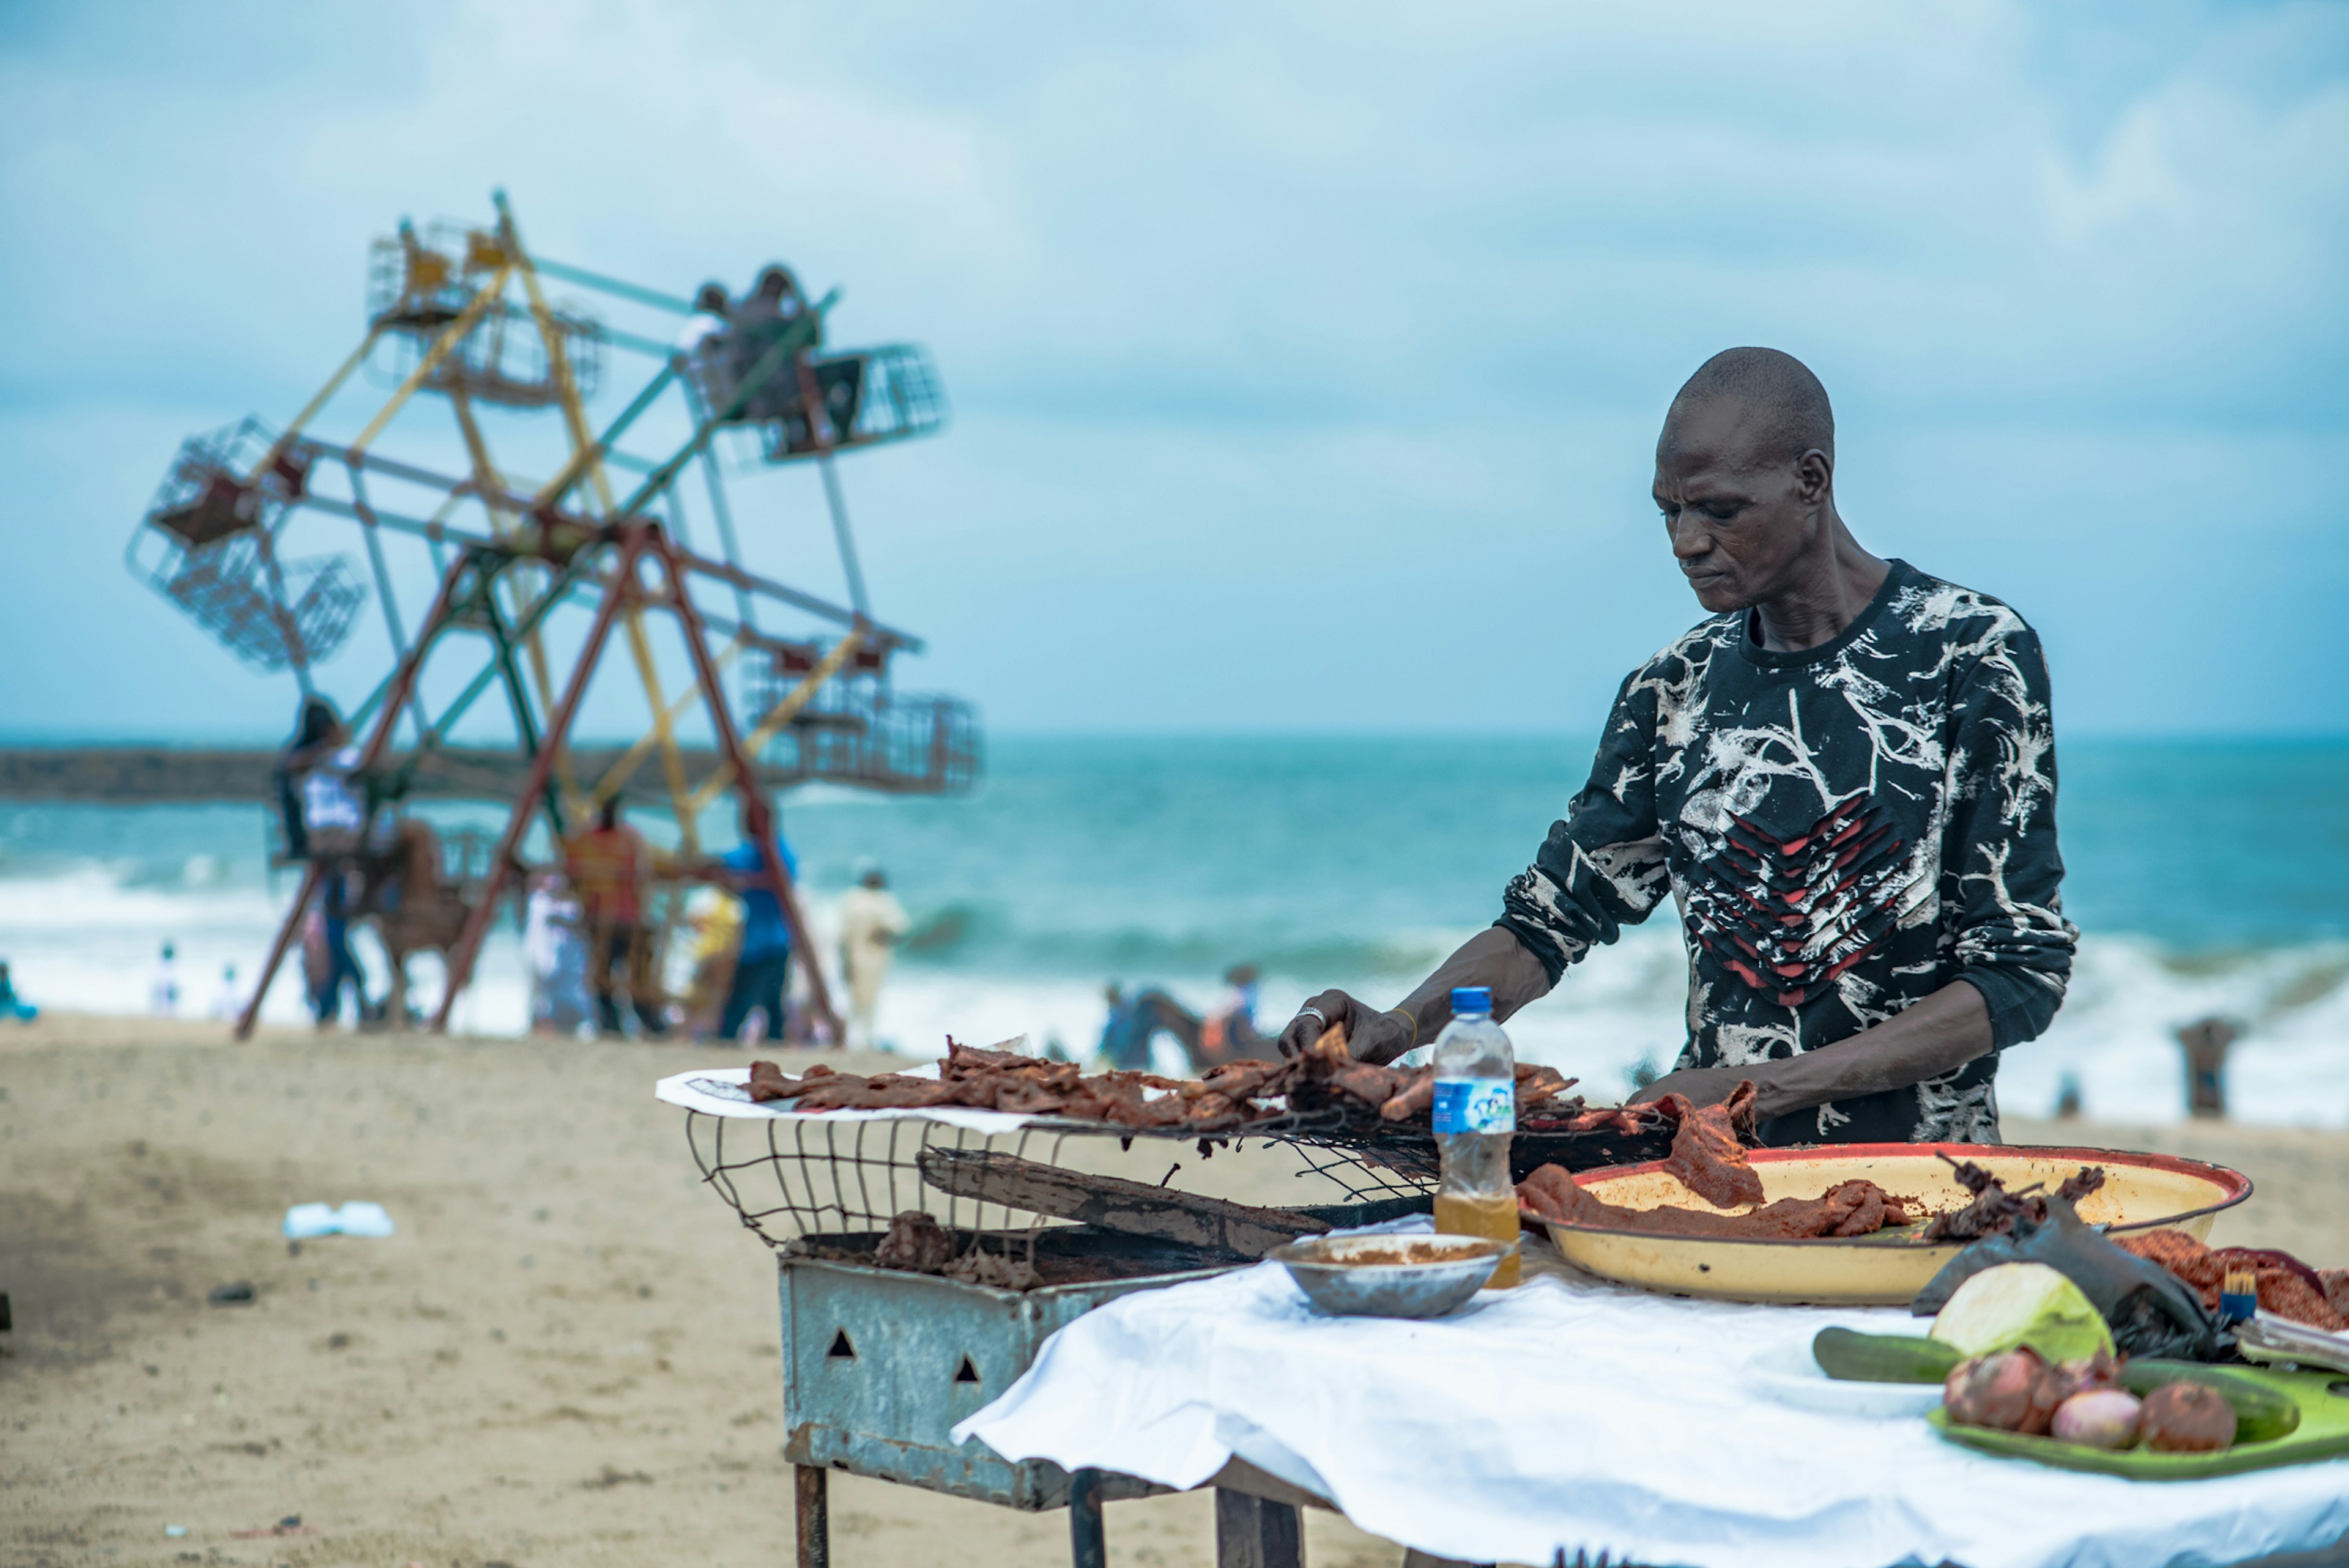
(1259, 323)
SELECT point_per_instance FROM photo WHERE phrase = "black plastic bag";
(2151, 1311)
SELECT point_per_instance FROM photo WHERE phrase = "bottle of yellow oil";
(1475, 1117)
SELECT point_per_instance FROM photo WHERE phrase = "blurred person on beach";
(326, 814)
(1228, 1032)
(606, 864)
(1135, 1022)
(1845, 781)
(556, 954)
(228, 1001)
(340, 964)
(163, 985)
(762, 962)
(2206, 1042)
(326, 809)
(714, 917)
(871, 922)
(318, 964)
(11, 1004)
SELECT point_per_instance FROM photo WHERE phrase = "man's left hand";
(1706, 1086)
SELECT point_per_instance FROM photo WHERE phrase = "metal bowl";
(1408, 1275)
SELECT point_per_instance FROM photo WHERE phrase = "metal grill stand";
(881, 1363)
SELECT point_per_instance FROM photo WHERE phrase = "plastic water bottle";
(1475, 1117)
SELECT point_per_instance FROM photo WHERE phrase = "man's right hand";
(1371, 1036)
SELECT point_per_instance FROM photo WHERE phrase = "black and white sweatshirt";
(1846, 829)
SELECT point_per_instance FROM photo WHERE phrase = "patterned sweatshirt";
(1846, 829)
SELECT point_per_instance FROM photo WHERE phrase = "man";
(228, 1002)
(11, 1004)
(762, 968)
(163, 985)
(1846, 779)
(871, 921)
(1228, 1033)
(759, 319)
(701, 347)
(556, 957)
(606, 865)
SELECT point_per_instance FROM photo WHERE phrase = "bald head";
(1745, 481)
(1775, 405)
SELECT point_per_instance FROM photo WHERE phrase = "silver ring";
(1320, 1016)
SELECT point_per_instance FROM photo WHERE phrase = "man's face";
(1741, 527)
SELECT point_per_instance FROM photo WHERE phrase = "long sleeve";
(2003, 906)
(1603, 868)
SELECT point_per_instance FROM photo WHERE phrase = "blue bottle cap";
(1471, 998)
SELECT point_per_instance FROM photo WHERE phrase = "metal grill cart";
(926, 1255)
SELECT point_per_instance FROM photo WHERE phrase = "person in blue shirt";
(762, 970)
(11, 1004)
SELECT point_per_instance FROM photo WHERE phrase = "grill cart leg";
(1087, 1547)
(1257, 1532)
(814, 1517)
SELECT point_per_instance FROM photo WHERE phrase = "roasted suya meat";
(1226, 1099)
(2287, 1288)
(1994, 1209)
(1857, 1208)
(1707, 1157)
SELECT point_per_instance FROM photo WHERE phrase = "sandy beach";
(567, 1354)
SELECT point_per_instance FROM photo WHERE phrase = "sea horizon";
(2206, 876)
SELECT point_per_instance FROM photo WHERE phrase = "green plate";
(2322, 1434)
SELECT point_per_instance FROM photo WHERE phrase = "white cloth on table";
(1570, 1413)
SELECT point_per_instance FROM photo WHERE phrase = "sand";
(568, 1352)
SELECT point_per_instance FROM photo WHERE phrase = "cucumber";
(1850, 1358)
(2260, 1413)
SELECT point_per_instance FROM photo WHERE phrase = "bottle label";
(1476, 1105)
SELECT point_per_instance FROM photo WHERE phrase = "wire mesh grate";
(208, 543)
(825, 1187)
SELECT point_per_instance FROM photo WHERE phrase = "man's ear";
(1814, 476)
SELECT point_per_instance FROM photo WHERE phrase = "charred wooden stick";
(1132, 1208)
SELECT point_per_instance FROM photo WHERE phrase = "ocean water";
(2207, 878)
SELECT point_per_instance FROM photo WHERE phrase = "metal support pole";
(826, 440)
(760, 819)
(725, 515)
(539, 611)
(839, 504)
(370, 530)
(285, 931)
(814, 1516)
(526, 723)
(680, 792)
(623, 587)
(1257, 1532)
(1088, 1545)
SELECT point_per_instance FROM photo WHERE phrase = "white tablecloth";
(1570, 1413)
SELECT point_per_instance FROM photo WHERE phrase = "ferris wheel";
(618, 524)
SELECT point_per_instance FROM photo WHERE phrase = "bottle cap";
(1471, 998)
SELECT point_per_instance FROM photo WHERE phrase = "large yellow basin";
(2141, 1191)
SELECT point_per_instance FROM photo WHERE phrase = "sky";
(1305, 360)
